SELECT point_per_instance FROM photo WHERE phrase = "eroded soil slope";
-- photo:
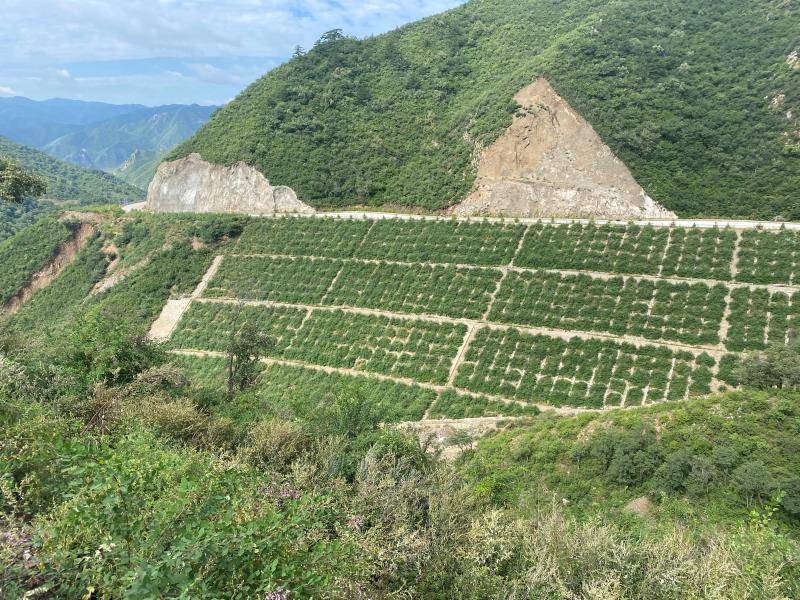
(552, 163)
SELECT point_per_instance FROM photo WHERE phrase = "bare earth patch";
(552, 163)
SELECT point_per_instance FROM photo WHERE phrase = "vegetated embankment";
(61, 259)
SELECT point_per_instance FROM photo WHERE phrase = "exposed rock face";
(552, 163)
(191, 184)
(793, 60)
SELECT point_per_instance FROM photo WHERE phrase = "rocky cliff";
(552, 163)
(191, 184)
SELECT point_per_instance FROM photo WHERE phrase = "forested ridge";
(699, 99)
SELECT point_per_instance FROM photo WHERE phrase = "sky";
(156, 52)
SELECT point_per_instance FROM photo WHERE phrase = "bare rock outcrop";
(192, 184)
(551, 163)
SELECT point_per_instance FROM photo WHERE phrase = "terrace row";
(679, 312)
(756, 256)
(501, 362)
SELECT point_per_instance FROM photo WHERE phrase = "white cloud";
(212, 74)
(55, 40)
(7, 91)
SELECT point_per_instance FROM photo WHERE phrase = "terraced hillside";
(486, 319)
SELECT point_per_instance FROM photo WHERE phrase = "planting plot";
(402, 348)
(728, 366)
(334, 238)
(688, 313)
(438, 290)
(699, 253)
(582, 373)
(452, 405)
(207, 325)
(456, 242)
(767, 257)
(608, 248)
(758, 318)
(295, 280)
(291, 391)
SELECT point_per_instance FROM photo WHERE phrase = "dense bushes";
(331, 506)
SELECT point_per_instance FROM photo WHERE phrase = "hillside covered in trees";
(66, 182)
(699, 99)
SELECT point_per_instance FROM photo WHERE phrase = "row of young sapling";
(767, 258)
(764, 257)
(682, 312)
(438, 290)
(419, 289)
(759, 318)
(630, 249)
(419, 350)
(687, 313)
(578, 372)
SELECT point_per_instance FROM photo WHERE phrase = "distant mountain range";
(128, 140)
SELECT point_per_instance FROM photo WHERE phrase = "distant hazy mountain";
(35, 123)
(128, 140)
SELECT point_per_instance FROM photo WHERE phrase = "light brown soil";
(640, 506)
(552, 163)
(63, 257)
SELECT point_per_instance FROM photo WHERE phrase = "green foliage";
(104, 350)
(17, 216)
(296, 280)
(50, 308)
(776, 368)
(681, 91)
(244, 352)
(69, 182)
(17, 184)
(297, 392)
(207, 325)
(418, 289)
(28, 251)
(715, 457)
(212, 229)
(768, 257)
(452, 405)
(418, 350)
(140, 297)
(688, 313)
(333, 238)
(135, 518)
(582, 373)
(455, 242)
(669, 252)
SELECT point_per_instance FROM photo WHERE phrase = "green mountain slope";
(108, 144)
(140, 167)
(67, 182)
(693, 96)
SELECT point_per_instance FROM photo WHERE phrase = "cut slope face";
(552, 163)
(191, 184)
(64, 256)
